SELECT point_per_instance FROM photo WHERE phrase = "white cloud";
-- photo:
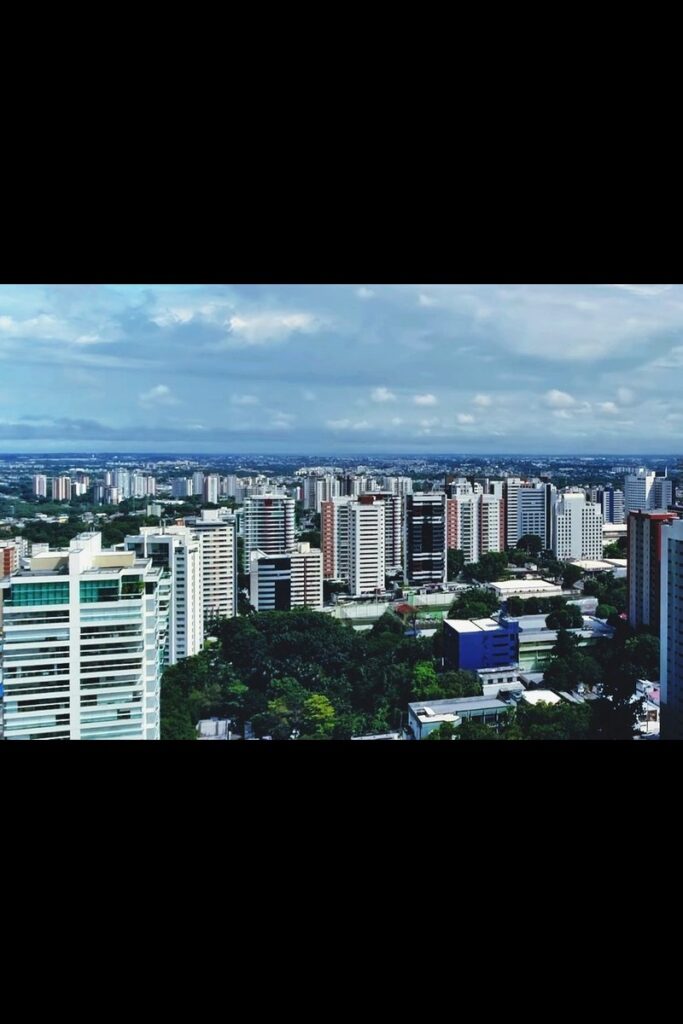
(609, 407)
(644, 289)
(429, 422)
(425, 300)
(338, 424)
(425, 400)
(159, 395)
(244, 400)
(558, 399)
(625, 395)
(361, 425)
(260, 328)
(309, 396)
(396, 421)
(173, 316)
(562, 414)
(464, 417)
(482, 400)
(365, 293)
(383, 395)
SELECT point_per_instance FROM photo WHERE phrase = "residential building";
(122, 483)
(367, 559)
(291, 580)
(479, 643)
(178, 552)
(577, 527)
(61, 488)
(334, 537)
(511, 489)
(218, 534)
(662, 491)
(424, 541)
(534, 512)
(9, 557)
(671, 631)
(40, 486)
(211, 487)
(181, 487)
(400, 485)
(611, 504)
(463, 524)
(639, 491)
(491, 523)
(268, 525)
(644, 566)
(392, 505)
(80, 649)
(198, 483)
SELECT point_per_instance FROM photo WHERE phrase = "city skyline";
(382, 369)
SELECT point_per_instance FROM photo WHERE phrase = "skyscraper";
(611, 503)
(671, 630)
(662, 491)
(334, 537)
(178, 552)
(367, 564)
(291, 580)
(268, 525)
(61, 488)
(577, 527)
(211, 487)
(424, 546)
(40, 486)
(638, 491)
(644, 543)
(89, 664)
(218, 536)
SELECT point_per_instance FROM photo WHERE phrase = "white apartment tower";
(671, 630)
(639, 491)
(268, 525)
(40, 486)
(366, 547)
(577, 527)
(491, 523)
(211, 488)
(81, 649)
(178, 552)
(291, 580)
(61, 488)
(334, 537)
(218, 536)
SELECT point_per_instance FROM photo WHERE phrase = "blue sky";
(342, 368)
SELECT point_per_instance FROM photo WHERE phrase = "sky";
(470, 369)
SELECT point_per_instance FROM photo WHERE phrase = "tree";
(571, 574)
(472, 730)
(456, 561)
(603, 611)
(425, 682)
(446, 731)
(643, 652)
(318, 717)
(490, 566)
(515, 605)
(530, 543)
(558, 619)
(474, 603)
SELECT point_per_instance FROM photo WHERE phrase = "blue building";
(480, 643)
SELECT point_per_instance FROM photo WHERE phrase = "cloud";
(365, 293)
(260, 328)
(464, 417)
(346, 424)
(644, 289)
(425, 300)
(383, 395)
(609, 407)
(309, 396)
(625, 395)
(425, 399)
(396, 421)
(159, 395)
(244, 400)
(432, 422)
(482, 400)
(562, 414)
(558, 399)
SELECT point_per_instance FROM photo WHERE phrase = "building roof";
(436, 709)
(472, 625)
(541, 697)
(513, 586)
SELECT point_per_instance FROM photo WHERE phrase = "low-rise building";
(536, 641)
(479, 643)
(523, 588)
(426, 716)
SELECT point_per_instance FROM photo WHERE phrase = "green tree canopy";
(530, 543)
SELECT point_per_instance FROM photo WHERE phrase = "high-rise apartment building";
(534, 512)
(291, 580)
(424, 544)
(611, 504)
(61, 488)
(401, 485)
(491, 522)
(334, 537)
(211, 487)
(639, 491)
(178, 553)
(198, 483)
(644, 544)
(80, 649)
(181, 487)
(511, 487)
(671, 630)
(367, 564)
(268, 525)
(39, 486)
(218, 534)
(9, 558)
(577, 527)
(662, 491)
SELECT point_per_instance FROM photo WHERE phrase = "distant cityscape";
(151, 596)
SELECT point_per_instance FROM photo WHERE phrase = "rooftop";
(513, 586)
(431, 710)
(541, 697)
(472, 625)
